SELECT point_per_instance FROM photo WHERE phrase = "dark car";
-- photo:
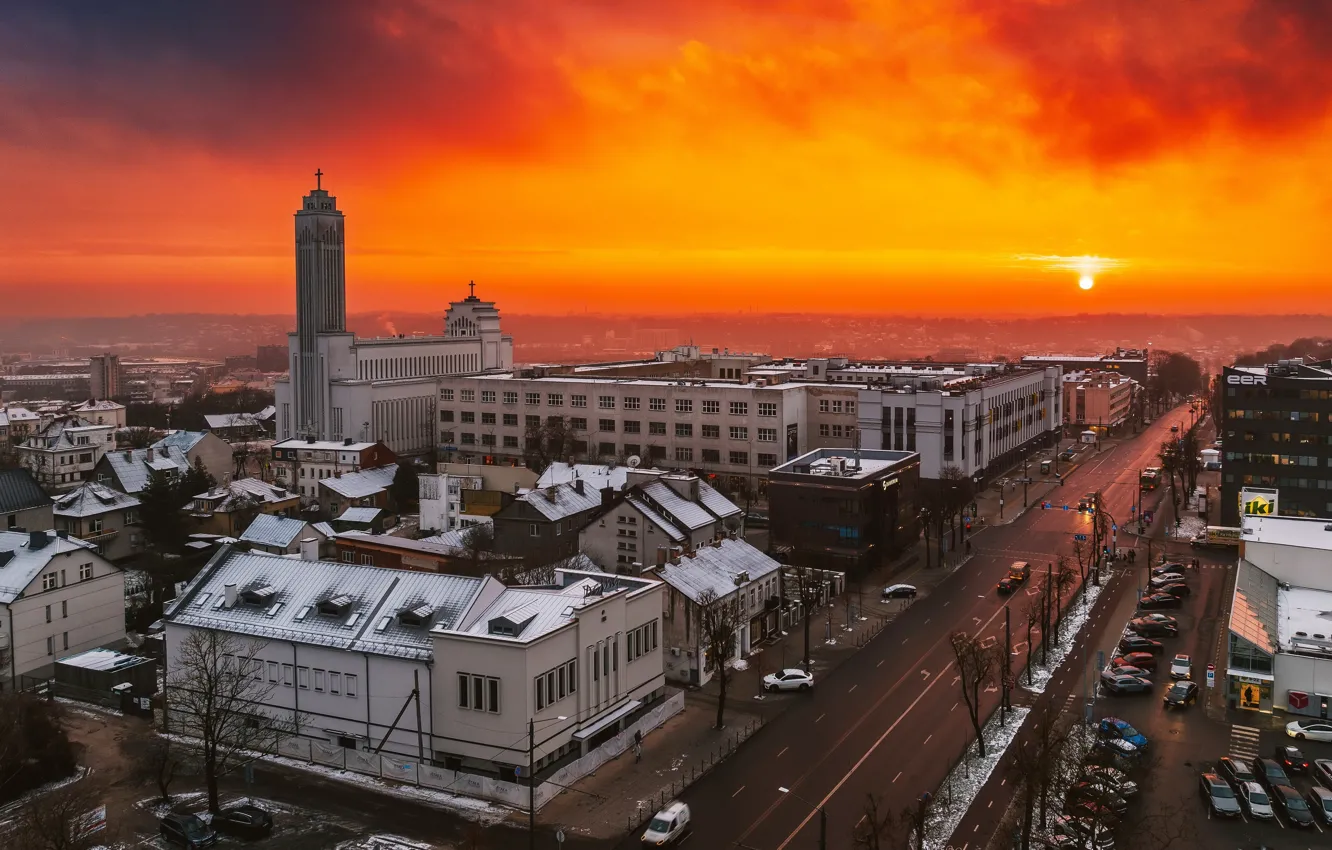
(1180, 695)
(1320, 803)
(1178, 589)
(1234, 771)
(1172, 567)
(1092, 811)
(1134, 643)
(1145, 660)
(1322, 771)
(1292, 805)
(1007, 585)
(1112, 778)
(245, 821)
(1125, 670)
(1218, 796)
(1291, 759)
(1153, 628)
(1125, 684)
(756, 519)
(1097, 792)
(899, 591)
(1270, 773)
(1168, 578)
(186, 830)
(1087, 501)
(1159, 600)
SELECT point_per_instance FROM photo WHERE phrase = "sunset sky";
(658, 156)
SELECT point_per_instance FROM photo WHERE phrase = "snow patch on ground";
(1075, 617)
(965, 780)
(1189, 527)
(383, 842)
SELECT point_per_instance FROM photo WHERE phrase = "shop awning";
(596, 726)
(1249, 674)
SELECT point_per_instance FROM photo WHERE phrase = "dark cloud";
(245, 75)
(1122, 79)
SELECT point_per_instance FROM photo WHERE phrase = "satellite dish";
(633, 461)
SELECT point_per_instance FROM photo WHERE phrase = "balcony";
(99, 537)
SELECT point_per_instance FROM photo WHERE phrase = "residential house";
(541, 526)
(65, 451)
(229, 508)
(128, 470)
(106, 518)
(101, 412)
(731, 570)
(201, 446)
(280, 535)
(598, 476)
(343, 647)
(656, 512)
(303, 464)
(57, 597)
(442, 554)
(235, 427)
(17, 424)
(364, 519)
(368, 488)
(23, 504)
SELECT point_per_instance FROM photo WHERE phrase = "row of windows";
(1306, 439)
(1276, 415)
(479, 693)
(554, 685)
(54, 579)
(289, 675)
(1282, 481)
(1279, 460)
(417, 367)
(606, 402)
(629, 426)
(835, 406)
(1288, 393)
(641, 641)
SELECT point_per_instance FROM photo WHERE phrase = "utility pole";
(531, 785)
(1025, 479)
(416, 696)
(1005, 704)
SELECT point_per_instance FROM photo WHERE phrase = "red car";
(1145, 660)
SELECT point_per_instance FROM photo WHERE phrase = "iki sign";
(1253, 380)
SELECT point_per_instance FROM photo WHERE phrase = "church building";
(365, 389)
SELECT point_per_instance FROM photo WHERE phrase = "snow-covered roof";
(594, 476)
(230, 420)
(322, 445)
(132, 466)
(366, 482)
(21, 414)
(528, 613)
(98, 404)
(20, 564)
(673, 505)
(1304, 532)
(183, 440)
(363, 618)
(253, 489)
(360, 515)
(102, 659)
(266, 414)
(91, 499)
(657, 519)
(715, 566)
(324, 529)
(269, 530)
(562, 500)
(714, 501)
(20, 491)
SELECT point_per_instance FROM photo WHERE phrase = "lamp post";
(531, 777)
(823, 816)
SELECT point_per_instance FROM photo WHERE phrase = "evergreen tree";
(404, 487)
(159, 512)
(197, 479)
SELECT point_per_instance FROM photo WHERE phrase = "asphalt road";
(889, 721)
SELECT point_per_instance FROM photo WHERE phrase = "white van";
(667, 826)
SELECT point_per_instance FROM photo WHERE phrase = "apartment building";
(302, 464)
(106, 518)
(65, 451)
(541, 526)
(228, 508)
(1099, 400)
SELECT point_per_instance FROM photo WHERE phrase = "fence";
(656, 802)
(407, 770)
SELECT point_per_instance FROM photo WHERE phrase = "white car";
(1313, 730)
(791, 679)
(667, 826)
(1181, 667)
(1255, 800)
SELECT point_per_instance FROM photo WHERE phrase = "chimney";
(346, 441)
(63, 535)
(661, 555)
(607, 495)
(149, 454)
(550, 494)
(37, 540)
(310, 549)
(230, 595)
(578, 486)
(129, 454)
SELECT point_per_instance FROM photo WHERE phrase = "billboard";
(1258, 501)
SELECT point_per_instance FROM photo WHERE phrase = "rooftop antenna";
(856, 445)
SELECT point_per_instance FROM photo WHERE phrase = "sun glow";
(1086, 281)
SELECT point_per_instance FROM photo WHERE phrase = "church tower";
(321, 303)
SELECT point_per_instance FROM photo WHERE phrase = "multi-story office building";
(979, 418)
(1274, 424)
(1129, 362)
(1100, 400)
(104, 376)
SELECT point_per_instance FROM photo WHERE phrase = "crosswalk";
(1243, 741)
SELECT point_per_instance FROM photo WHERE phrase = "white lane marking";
(737, 791)
(784, 749)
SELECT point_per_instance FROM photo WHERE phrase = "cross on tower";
(471, 286)
(319, 178)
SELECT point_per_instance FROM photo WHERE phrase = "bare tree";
(1080, 553)
(216, 691)
(976, 667)
(719, 619)
(1031, 615)
(56, 820)
(152, 758)
(1064, 579)
(881, 829)
(806, 586)
(549, 440)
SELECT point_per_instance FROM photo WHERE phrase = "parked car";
(1164, 619)
(1292, 805)
(790, 679)
(1180, 695)
(1291, 759)
(668, 825)
(1270, 774)
(899, 591)
(1166, 578)
(1119, 685)
(1322, 771)
(1177, 589)
(1087, 833)
(1113, 778)
(1143, 660)
(756, 519)
(1125, 670)
(1235, 771)
(1091, 810)
(1098, 792)
(1134, 643)
(1255, 801)
(1159, 600)
(1119, 747)
(1150, 628)
(187, 830)
(1320, 803)
(1313, 730)
(1181, 667)
(1113, 727)
(1218, 795)
(245, 821)
(1174, 567)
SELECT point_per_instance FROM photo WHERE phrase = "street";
(889, 721)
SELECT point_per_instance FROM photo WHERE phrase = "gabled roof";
(229, 420)
(366, 482)
(367, 623)
(92, 499)
(668, 501)
(98, 404)
(715, 502)
(132, 466)
(20, 564)
(657, 519)
(715, 566)
(561, 500)
(595, 476)
(254, 489)
(534, 612)
(19, 491)
(183, 440)
(269, 530)
(360, 515)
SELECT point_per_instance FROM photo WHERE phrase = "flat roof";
(1305, 532)
(845, 464)
(1304, 620)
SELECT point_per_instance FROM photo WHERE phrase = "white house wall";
(93, 616)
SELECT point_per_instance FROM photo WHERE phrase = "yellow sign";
(1258, 502)
(1257, 506)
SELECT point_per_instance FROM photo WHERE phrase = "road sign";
(559, 836)
(1114, 527)
(1211, 676)
(1079, 537)
(1065, 507)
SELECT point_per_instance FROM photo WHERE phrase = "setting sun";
(1086, 281)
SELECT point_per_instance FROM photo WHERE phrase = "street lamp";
(823, 816)
(531, 777)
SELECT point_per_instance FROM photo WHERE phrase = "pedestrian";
(968, 547)
(638, 752)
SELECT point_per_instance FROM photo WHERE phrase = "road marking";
(784, 749)
(946, 601)
(925, 674)
(927, 622)
(895, 778)
(954, 708)
(927, 738)
(853, 687)
(991, 803)
(862, 820)
(1244, 741)
(904, 640)
(737, 791)
(821, 716)
(881, 660)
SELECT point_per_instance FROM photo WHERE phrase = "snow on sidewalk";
(966, 779)
(1075, 618)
